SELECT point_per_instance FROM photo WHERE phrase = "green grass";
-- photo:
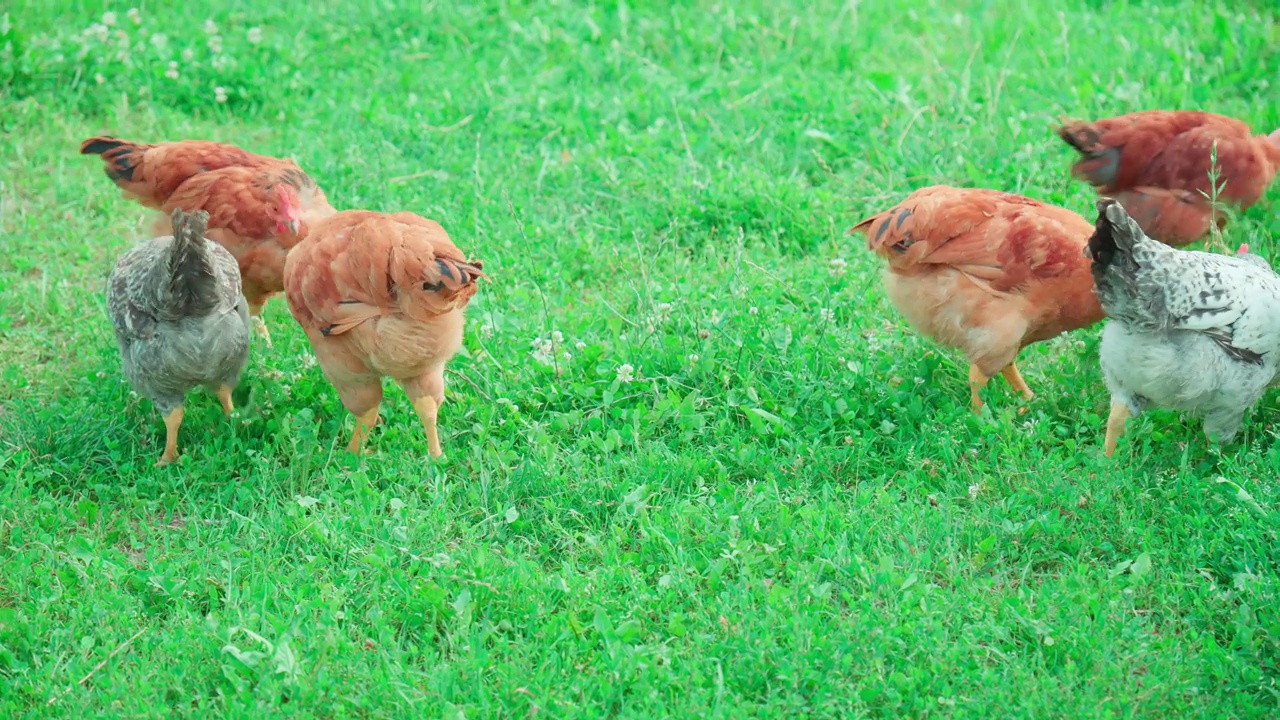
(787, 512)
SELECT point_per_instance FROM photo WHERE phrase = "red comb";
(1244, 248)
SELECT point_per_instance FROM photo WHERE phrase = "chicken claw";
(427, 410)
(224, 396)
(172, 422)
(364, 423)
(1115, 426)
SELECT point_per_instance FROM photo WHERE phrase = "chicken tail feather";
(121, 157)
(193, 287)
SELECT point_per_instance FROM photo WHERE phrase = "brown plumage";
(382, 295)
(259, 206)
(987, 272)
(1156, 164)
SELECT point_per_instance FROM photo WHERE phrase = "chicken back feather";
(984, 271)
(382, 295)
(1156, 164)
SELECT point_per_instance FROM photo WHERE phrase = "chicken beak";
(293, 226)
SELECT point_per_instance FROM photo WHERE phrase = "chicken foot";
(1115, 426)
(979, 380)
(172, 422)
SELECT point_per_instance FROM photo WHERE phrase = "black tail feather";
(120, 156)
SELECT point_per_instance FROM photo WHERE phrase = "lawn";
(696, 466)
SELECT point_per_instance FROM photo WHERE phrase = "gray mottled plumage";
(178, 314)
(1190, 331)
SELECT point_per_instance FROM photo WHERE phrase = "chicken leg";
(426, 392)
(1115, 426)
(224, 396)
(364, 423)
(172, 422)
(1014, 378)
(255, 314)
(978, 380)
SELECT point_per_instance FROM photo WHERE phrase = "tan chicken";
(382, 295)
(987, 272)
(1156, 164)
(259, 206)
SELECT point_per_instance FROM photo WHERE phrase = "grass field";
(695, 466)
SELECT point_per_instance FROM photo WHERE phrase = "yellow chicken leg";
(364, 423)
(1115, 426)
(172, 422)
(1014, 378)
(224, 396)
(255, 314)
(427, 411)
(977, 381)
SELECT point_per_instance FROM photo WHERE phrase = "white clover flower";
(827, 314)
(215, 44)
(159, 40)
(567, 356)
(220, 94)
(172, 72)
(188, 54)
(580, 345)
(135, 16)
(693, 358)
(255, 35)
(556, 337)
(839, 266)
(973, 492)
(99, 31)
(108, 18)
(210, 27)
(542, 351)
(626, 373)
(486, 329)
(98, 78)
(753, 310)
(308, 360)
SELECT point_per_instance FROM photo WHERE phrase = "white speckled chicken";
(1190, 331)
(179, 319)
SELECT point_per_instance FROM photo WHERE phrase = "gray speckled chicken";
(179, 319)
(1190, 331)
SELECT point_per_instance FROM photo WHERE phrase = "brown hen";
(382, 295)
(1156, 164)
(987, 272)
(259, 206)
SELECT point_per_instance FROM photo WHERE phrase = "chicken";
(179, 319)
(382, 295)
(259, 206)
(1156, 163)
(987, 272)
(1190, 331)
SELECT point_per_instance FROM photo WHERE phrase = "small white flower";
(99, 31)
(159, 40)
(973, 492)
(542, 351)
(135, 16)
(556, 337)
(98, 78)
(827, 314)
(215, 44)
(567, 356)
(188, 54)
(626, 373)
(839, 266)
(255, 35)
(108, 18)
(753, 310)
(486, 329)
(210, 27)
(693, 358)
(580, 345)
(220, 94)
(172, 72)
(308, 360)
